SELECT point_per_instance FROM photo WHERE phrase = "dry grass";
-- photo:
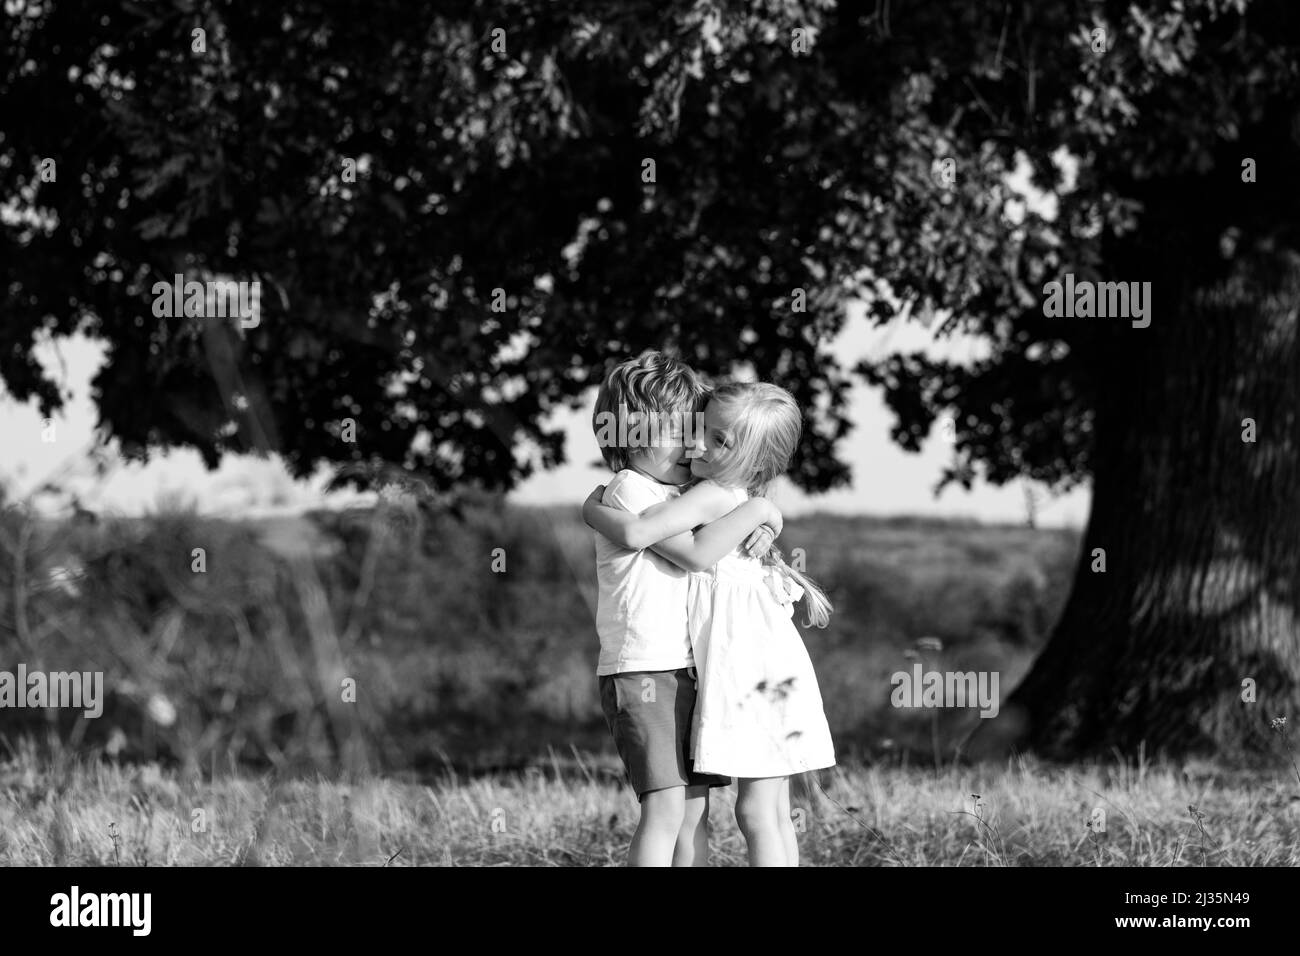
(575, 813)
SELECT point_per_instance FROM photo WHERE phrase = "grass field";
(574, 812)
(476, 738)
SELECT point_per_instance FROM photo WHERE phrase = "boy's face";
(666, 461)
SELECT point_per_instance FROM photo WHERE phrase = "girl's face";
(711, 446)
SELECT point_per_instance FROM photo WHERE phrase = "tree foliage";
(514, 161)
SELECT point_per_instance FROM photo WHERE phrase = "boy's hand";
(774, 518)
(760, 541)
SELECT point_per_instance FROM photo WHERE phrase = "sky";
(886, 480)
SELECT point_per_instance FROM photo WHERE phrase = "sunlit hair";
(652, 383)
(762, 425)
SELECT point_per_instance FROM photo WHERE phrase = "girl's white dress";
(758, 711)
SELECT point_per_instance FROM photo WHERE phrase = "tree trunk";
(1200, 529)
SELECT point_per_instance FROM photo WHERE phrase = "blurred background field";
(457, 667)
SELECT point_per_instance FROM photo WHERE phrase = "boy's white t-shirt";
(641, 608)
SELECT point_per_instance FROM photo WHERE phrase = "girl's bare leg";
(788, 834)
(758, 812)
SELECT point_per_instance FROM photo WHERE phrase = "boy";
(646, 669)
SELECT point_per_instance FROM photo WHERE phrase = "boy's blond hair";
(653, 383)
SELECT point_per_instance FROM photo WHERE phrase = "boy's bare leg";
(693, 837)
(656, 832)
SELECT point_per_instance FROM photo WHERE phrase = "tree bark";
(1200, 529)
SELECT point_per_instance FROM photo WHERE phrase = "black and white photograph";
(691, 433)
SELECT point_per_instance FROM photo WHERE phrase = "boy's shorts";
(649, 713)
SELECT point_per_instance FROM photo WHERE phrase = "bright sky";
(886, 479)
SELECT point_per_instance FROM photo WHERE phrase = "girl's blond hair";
(764, 425)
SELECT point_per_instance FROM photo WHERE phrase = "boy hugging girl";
(672, 512)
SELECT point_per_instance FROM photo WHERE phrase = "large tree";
(804, 154)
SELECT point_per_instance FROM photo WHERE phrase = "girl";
(759, 712)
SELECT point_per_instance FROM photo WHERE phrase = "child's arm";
(705, 547)
(700, 505)
(666, 526)
(624, 527)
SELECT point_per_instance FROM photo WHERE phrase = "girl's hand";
(592, 499)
